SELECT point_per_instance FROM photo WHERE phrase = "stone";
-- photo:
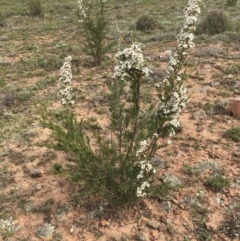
(38, 187)
(211, 226)
(163, 219)
(234, 106)
(154, 233)
(218, 66)
(166, 206)
(236, 153)
(201, 72)
(161, 237)
(206, 165)
(141, 237)
(104, 223)
(199, 115)
(29, 207)
(165, 55)
(173, 180)
(213, 84)
(158, 162)
(34, 172)
(147, 214)
(163, 227)
(45, 232)
(237, 181)
(154, 224)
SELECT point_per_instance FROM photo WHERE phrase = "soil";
(193, 212)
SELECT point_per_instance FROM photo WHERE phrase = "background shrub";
(146, 23)
(233, 134)
(35, 8)
(231, 3)
(2, 19)
(215, 22)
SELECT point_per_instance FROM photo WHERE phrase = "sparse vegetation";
(217, 182)
(35, 8)
(146, 23)
(231, 225)
(231, 3)
(189, 170)
(32, 51)
(215, 22)
(233, 134)
(2, 19)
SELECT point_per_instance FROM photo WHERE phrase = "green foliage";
(217, 182)
(232, 69)
(146, 23)
(111, 169)
(95, 25)
(35, 8)
(2, 19)
(215, 22)
(117, 166)
(233, 134)
(231, 3)
(189, 170)
(202, 234)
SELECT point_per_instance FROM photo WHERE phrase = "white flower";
(174, 100)
(83, 6)
(143, 147)
(129, 60)
(65, 81)
(140, 190)
(169, 142)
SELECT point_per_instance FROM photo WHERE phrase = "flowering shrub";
(171, 90)
(95, 25)
(121, 170)
(65, 82)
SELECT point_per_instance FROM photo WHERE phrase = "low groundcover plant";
(120, 170)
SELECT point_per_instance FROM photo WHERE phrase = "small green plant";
(231, 3)
(35, 8)
(202, 234)
(199, 210)
(146, 23)
(57, 168)
(233, 134)
(232, 69)
(217, 182)
(215, 22)
(189, 170)
(92, 17)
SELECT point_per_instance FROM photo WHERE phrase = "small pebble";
(34, 172)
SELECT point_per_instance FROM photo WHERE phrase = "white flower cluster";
(131, 60)
(145, 169)
(172, 103)
(83, 6)
(140, 190)
(65, 81)
(143, 148)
